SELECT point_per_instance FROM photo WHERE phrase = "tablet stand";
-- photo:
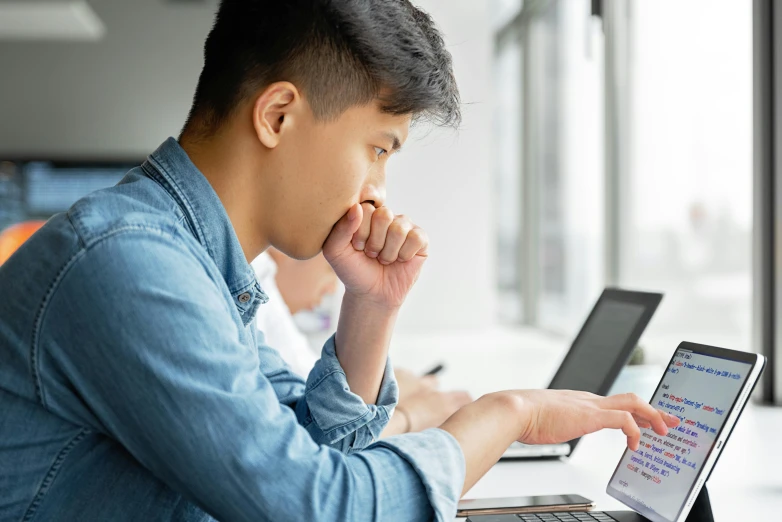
(701, 509)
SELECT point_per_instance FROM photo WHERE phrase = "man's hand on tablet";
(485, 428)
(554, 416)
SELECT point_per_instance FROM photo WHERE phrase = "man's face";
(322, 168)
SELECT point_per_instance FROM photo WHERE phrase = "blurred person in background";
(296, 285)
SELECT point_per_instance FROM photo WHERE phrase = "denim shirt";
(133, 385)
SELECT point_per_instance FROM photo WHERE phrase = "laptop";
(707, 388)
(600, 351)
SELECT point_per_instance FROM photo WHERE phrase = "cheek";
(348, 177)
(325, 188)
(341, 187)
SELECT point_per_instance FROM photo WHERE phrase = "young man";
(132, 386)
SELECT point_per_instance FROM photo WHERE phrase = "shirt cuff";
(338, 417)
(438, 459)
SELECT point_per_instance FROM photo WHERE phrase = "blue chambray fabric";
(133, 385)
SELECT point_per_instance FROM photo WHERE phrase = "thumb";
(342, 233)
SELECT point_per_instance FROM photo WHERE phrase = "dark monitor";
(606, 341)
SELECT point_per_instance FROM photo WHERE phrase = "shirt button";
(244, 297)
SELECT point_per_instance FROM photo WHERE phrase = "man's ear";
(272, 112)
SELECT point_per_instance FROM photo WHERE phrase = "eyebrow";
(397, 145)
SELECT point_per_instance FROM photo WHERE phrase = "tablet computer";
(706, 388)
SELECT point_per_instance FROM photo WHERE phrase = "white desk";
(746, 484)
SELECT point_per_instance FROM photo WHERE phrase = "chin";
(300, 252)
(301, 246)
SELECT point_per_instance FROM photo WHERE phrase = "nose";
(374, 191)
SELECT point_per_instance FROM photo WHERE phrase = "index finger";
(362, 234)
(630, 402)
(617, 419)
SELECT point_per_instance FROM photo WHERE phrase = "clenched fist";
(376, 254)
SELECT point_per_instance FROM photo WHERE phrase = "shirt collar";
(208, 221)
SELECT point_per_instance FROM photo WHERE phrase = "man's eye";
(380, 151)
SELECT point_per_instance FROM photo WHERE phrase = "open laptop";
(707, 388)
(597, 355)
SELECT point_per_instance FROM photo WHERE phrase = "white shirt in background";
(275, 321)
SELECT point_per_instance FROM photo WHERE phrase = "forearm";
(362, 340)
(484, 430)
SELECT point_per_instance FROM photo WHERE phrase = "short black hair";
(339, 53)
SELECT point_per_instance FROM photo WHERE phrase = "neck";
(227, 164)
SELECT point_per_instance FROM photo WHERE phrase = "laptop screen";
(701, 390)
(602, 340)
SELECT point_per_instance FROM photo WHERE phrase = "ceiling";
(66, 20)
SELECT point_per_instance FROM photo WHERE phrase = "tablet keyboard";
(566, 517)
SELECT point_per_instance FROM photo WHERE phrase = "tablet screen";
(700, 390)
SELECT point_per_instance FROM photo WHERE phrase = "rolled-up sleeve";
(334, 415)
(325, 406)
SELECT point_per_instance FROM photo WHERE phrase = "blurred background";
(605, 143)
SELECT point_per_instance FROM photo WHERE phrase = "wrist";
(370, 304)
(362, 340)
(513, 409)
(404, 415)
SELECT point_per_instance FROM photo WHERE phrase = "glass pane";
(507, 153)
(503, 11)
(566, 78)
(688, 219)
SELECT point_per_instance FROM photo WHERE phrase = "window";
(504, 11)
(687, 227)
(508, 189)
(549, 137)
(624, 156)
(566, 76)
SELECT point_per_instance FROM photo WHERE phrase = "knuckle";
(418, 235)
(404, 219)
(383, 215)
(398, 228)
